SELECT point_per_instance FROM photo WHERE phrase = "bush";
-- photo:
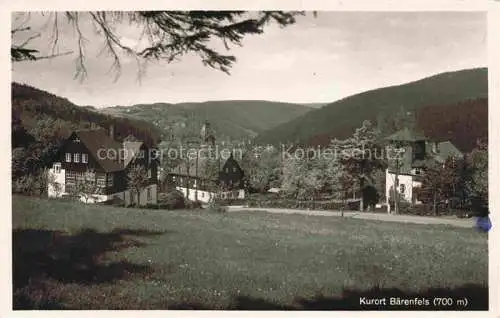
(193, 205)
(172, 200)
(294, 204)
(427, 210)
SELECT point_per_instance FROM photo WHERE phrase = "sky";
(316, 60)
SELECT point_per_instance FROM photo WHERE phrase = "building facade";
(203, 179)
(92, 166)
(408, 153)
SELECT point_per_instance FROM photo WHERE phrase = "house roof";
(407, 134)
(131, 148)
(96, 141)
(445, 150)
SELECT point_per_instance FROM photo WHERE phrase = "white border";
(338, 5)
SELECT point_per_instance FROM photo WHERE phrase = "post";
(196, 177)
(396, 195)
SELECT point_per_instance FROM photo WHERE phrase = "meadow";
(68, 255)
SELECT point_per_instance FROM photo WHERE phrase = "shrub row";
(442, 210)
(294, 204)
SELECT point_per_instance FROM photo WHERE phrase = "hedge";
(294, 204)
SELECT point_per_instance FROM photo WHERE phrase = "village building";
(410, 151)
(109, 161)
(204, 177)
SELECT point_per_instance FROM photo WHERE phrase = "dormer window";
(76, 157)
(77, 139)
(68, 157)
(85, 158)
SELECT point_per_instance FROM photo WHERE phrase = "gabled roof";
(446, 150)
(407, 134)
(231, 161)
(98, 140)
(132, 149)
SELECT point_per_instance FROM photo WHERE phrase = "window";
(109, 180)
(234, 169)
(68, 157)
(227, 169)
(76, 157)
(148, 192)
(203, 194)
(101, 181)
(150, 173)
(402, 188)
(57, 168)
(85, 158)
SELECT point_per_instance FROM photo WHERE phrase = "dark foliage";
(42, 121)
(171, 200)
(462, 123)
(464, 92)
(29, 105)
(170, 34)
(297, 204)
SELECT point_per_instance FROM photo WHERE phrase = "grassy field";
(71, 256)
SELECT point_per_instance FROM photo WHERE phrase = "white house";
(94, 167)
(410, 150)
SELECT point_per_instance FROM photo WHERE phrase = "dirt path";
(466, 223)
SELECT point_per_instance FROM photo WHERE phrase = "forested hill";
(231, 119)
(42, 114)
(41, 121)
(448, 105)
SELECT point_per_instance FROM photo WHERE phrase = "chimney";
(112, 131)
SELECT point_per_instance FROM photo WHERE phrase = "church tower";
(207, 135)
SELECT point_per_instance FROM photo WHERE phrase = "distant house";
(197, 184)
(414, 151)
(228, 184)
(110, 162)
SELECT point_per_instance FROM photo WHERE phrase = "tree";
(262, 167)
(303, 178)
(477, 185)
(340, 183)
(163, 35)
(137, 178)
(440, 182)
(87, 187)
(359, 156)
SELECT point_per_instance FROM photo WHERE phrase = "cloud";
(316, 60)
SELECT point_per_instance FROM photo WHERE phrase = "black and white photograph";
(250, 160)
